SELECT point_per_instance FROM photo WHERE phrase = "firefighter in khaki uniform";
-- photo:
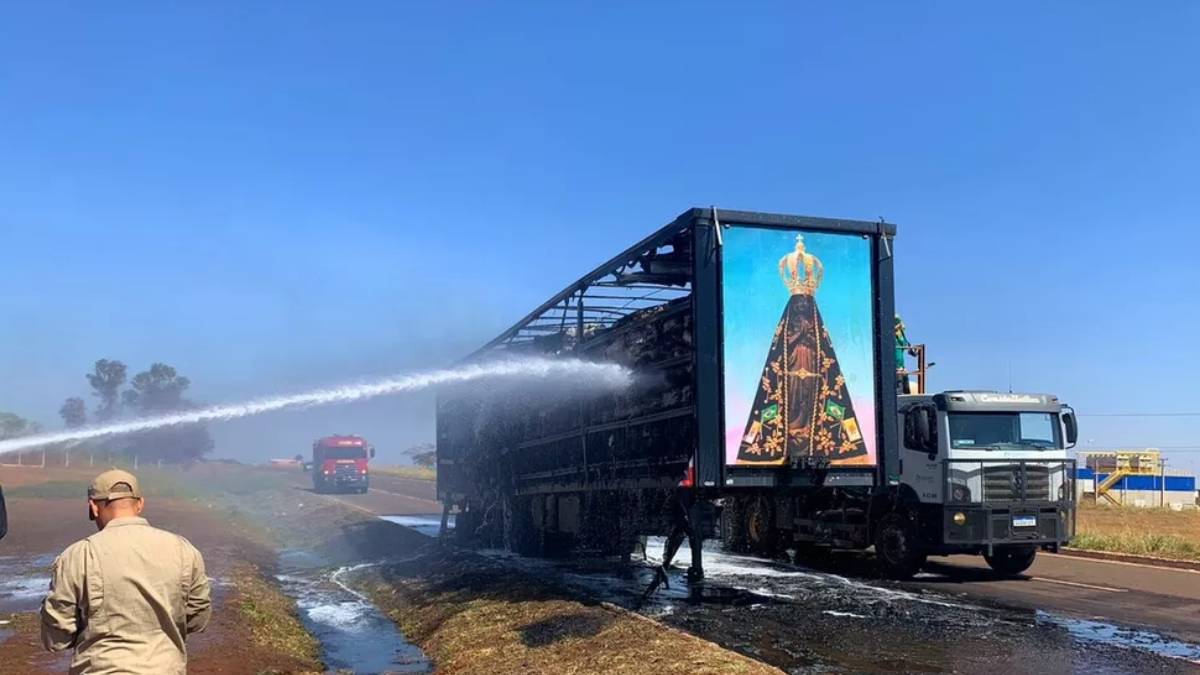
(128, 596)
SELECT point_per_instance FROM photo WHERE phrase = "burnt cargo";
(763, 349)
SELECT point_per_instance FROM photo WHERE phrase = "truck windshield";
(998, 430)
(343, 453)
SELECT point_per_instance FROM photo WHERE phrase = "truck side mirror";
(1072, 426)
(927, 429)
(921, 429)
(371, 451)
(3, 515)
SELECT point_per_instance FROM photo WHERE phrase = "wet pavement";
(806, 620)
(24, 581)
(353, 633)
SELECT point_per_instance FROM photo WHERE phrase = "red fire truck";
(339, 464)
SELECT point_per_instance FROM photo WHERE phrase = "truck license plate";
(1024, 521)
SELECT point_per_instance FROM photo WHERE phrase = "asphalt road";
(1161, 598)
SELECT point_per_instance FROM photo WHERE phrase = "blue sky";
(275, 195)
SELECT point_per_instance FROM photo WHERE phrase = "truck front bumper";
(345, 479)
(1042, 524)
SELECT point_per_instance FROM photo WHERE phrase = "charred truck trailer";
(765, 399)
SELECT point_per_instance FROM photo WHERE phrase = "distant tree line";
(158, 390)
(424, 454)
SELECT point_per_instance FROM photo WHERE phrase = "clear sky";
(272, 195)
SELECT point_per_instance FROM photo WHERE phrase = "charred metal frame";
(633, 281)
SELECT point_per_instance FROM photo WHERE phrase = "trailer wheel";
(733, 527)
(1009, 561)
(898, 546)
(761, 536)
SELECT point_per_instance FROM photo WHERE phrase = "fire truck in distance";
(339, 464)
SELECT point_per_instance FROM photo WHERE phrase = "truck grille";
(1008, 483)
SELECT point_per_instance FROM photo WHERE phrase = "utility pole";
(1162, 485)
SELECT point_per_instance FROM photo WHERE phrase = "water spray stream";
(597, 375)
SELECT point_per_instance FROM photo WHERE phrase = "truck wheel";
(898, 547)
(733, 527)
(761, 536)
(1010, 561)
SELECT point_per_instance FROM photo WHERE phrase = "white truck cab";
(989, 473)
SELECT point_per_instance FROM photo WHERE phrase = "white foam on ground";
(429, 526)
(735, 571)
(344, 615)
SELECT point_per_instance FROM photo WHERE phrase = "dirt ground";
(238, 557)
(468, 613)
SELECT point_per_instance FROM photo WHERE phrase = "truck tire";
(762, 538)
(733, 527)
(898, 546)
(1009, 561)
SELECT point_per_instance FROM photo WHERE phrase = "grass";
(198, 481)
(471, 616)
(274, 623)
(416, 472)
(1140, 531)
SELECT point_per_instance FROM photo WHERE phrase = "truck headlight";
(960, 518)
(960, 493)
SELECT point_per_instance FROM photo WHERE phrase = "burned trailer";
(739, 392)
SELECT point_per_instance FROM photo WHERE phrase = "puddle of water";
(1085, 630)
(353, 633)
(427, 525)
(25, 582)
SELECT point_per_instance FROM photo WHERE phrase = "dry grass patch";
(472, 616)
(1154, 532)
(416, 472)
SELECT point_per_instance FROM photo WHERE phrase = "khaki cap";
(102, 487)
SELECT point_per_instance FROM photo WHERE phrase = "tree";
(158, 390)
(13, 425)
(106, 379)
(424, 454)
(74, 412)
